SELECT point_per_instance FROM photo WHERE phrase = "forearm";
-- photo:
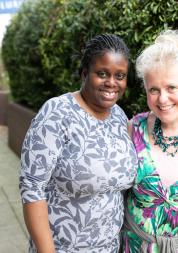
(36, 219)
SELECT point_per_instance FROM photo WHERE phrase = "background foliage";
(4, 80)
(43, 44)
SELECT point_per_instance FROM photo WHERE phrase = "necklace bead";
(164, 142)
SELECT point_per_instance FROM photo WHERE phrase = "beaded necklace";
(164, 142)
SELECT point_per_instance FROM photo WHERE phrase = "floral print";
(153, 207)
(80, 165)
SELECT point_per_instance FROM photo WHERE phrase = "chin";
(108, 105)
(167, 120)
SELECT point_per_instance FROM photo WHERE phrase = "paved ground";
(13, 234)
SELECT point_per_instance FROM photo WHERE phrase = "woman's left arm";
(129, 128)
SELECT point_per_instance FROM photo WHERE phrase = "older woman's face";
(105, 81)
(162, 93)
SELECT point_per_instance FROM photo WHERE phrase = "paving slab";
(13, 233)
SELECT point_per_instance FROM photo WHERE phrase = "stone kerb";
(19, 119)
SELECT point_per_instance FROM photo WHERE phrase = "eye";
(102, 74)
(153, 91)
(121, 76)
(172, 89)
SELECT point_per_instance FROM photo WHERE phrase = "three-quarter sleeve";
(39, 153)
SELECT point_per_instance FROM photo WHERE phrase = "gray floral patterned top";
(80, 165)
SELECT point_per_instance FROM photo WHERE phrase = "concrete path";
(13, 234)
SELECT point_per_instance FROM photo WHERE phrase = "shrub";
(3, 76)
(30, 85)
(43, 56)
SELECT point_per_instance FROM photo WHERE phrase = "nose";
(111, 82)
(163, 97)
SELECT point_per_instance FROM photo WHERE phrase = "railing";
(10, 6)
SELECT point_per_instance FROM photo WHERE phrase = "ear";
(84, 74)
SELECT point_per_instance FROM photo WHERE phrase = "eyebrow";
(108, 70)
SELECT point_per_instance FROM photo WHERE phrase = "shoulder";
(118, 112)
(136, 121)
(139, 118)
(150, 122)
(52, 110)
(56, 103)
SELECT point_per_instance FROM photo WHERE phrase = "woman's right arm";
(38, 160)
(36, 219)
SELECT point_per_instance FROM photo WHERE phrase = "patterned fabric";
(79, 165)
(152, 206)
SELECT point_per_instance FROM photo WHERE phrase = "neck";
(91, 108)
(169, 129)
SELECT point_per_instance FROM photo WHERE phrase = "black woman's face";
(105, 81)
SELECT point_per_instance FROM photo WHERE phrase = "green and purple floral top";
(152, 207)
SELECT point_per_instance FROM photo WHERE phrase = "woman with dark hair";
(77, 158)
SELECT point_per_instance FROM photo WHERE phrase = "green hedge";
(43, 44)
(30, 85)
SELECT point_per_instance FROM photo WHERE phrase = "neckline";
(89, 115)
(164, 142)
(148, 145)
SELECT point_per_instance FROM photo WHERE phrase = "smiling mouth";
(109, 94)
(166, 108)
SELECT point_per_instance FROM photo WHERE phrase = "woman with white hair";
(151, 223)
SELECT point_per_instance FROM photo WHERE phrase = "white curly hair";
(162, 52)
